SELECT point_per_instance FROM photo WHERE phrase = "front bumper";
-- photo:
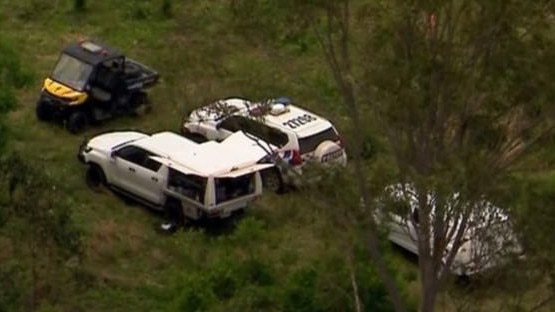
(83, 149)
(59, 108)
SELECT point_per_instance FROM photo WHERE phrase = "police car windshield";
(310, 143)
(72, 72)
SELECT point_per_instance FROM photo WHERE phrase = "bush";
(323, 285)
(12, 76)
(79, 5)
(41, 232)
(167, 8)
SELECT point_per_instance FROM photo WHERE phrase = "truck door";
(153, 178)
(138, 174)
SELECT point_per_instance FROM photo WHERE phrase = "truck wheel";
(77, 122)
(271, 179)
(43, 111)
(95, 177)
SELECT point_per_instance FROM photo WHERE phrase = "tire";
(77, 122)
(140, 104)
(43, 111)
(272, 180)
(95, 177)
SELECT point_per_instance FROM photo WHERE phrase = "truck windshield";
(72, 72)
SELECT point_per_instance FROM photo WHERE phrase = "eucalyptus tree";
(459, 89)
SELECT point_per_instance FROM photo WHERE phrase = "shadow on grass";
(211, 227)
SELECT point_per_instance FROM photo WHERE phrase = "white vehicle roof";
(280, 117)
(280, 120)
(165, 143)
(237, 152)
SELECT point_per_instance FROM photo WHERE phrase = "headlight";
(84, 147)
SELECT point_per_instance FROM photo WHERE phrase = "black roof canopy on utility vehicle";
(91, 52)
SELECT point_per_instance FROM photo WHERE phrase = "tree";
(460, 89)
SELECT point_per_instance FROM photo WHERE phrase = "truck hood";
(106, 142)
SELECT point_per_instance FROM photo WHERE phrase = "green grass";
(200, 59)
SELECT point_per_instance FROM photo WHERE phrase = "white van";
(488, 241)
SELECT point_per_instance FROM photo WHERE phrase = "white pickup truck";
(169, 172)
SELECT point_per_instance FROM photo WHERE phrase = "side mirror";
(114, 154)
(218, 126)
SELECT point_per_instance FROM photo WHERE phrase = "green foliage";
(281, 24)
(11, 291)
(144, 9)
(257, 267)
(253, 282)
(38, 225)
(31, 10)
(444, 89)
(12, 76)
(79, 5)
(299, 292)
(167, 8)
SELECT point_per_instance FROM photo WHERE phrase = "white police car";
(296, 135)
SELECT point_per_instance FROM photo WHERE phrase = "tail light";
(296, 158)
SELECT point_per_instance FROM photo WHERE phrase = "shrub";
(79, 5)
(11, 76)
(167, 8)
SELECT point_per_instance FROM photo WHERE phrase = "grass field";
(200, 59)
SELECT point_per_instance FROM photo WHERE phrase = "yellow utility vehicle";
(92, 82)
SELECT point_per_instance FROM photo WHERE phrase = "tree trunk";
(429, 286)
(343, 77)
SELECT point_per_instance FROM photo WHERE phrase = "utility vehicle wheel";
(95, 177)
(272, 180)
(77, 122)
(140, 104)
(43, 111)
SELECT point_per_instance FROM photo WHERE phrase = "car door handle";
(131, 169)
(155, 179)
